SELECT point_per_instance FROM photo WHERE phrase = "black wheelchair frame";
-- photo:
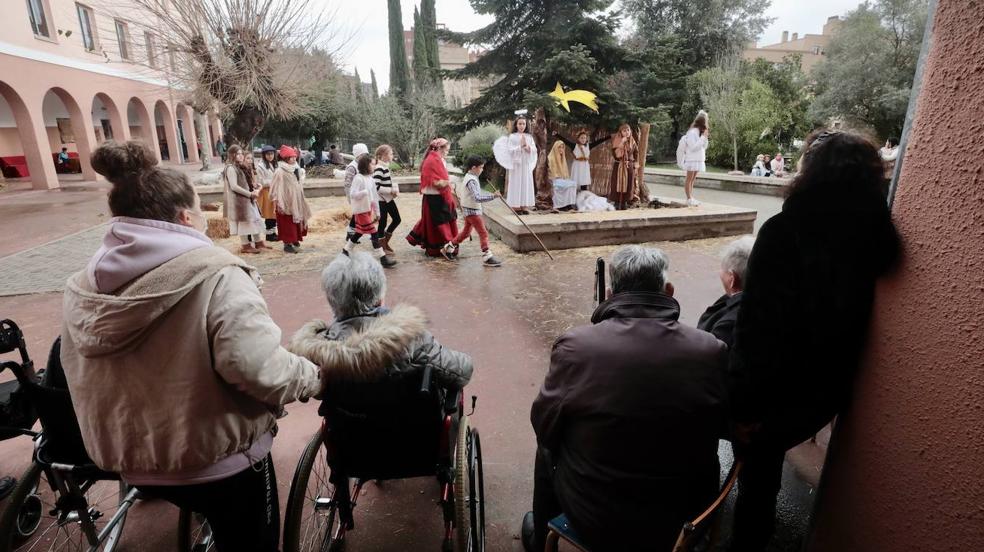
(433, 438)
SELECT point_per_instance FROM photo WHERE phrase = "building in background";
(458, 93)
(73, 74)
(811, 47)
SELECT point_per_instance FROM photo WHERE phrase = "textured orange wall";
(905, 470)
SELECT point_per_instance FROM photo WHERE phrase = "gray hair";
(734, 258)
(353, 284)
(637, 268)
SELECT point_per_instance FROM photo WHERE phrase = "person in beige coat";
(173, 363)
(239, 204)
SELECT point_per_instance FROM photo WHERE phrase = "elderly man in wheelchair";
(383, 419)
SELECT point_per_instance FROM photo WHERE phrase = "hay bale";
(330, 220)
(211, 206)
(218, 228)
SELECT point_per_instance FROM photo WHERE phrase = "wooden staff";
(527, 228)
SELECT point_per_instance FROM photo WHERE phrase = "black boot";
(288, 248)
(387, 262)
(526, 533)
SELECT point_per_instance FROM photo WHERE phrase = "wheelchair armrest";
(451, 401)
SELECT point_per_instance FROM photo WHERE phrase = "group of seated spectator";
(632, 408)
(630, 412)
(769, 166)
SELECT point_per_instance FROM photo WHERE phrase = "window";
(123, 37)
(39, 18)
(170, 57)
(151, 49)
(87, 24)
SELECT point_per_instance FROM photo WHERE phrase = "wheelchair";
(394, 429)
(63, 501)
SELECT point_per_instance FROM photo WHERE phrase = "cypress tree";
(421, 70)
(360, 95)
(428, 18)
(375, 85)
(399, 69)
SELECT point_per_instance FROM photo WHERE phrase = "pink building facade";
(75, 74)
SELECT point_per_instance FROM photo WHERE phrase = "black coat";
(720, 318)
(805, 311)
(631, 410)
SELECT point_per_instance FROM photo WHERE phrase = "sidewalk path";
(46, 267)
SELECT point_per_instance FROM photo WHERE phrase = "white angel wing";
(500, 148)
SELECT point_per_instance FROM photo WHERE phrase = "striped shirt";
(384, 182)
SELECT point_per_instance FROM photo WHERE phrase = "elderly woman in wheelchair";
(383, 419)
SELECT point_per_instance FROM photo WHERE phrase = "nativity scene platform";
(672, 221)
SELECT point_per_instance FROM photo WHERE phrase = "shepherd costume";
(287, 191)
(519, 165)
(438, 225)
(622, 184)
(264, 176)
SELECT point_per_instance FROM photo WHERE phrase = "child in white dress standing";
(517, 154)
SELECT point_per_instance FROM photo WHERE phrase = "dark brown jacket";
(631, 411)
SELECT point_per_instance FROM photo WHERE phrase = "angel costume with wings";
(519, 164)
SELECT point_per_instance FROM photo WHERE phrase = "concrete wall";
(904, 470)
(759, 185)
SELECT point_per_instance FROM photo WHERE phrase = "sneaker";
(490, 260)
(692, 202)
(448, 251)
(288, 248)
(457, 249)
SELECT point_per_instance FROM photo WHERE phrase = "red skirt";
(290, 231)
(364, 223)
(438, 225)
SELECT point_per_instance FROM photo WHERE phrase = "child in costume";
(471, 196)
(365, 210)
(265, 170)
(388, 191)
(586, 200)
(517, 154)
(564, 189)
(287, 192)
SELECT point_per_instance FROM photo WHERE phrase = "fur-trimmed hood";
(362, 354)
(372, 347)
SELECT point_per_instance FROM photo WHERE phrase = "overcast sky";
(368, 47)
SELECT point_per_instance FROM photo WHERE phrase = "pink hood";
(133, 247)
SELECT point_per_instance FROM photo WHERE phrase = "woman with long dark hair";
(803, 322)
(693, 147)
(265, 170)
(438, 225)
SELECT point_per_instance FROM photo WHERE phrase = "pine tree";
(375, 85)
(421, 70)
(535, 45)
(428, 18)
(399, 70)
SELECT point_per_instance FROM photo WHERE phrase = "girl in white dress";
(694, 148)
(517, 154)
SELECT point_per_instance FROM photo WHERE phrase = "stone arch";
(136, 112)
(167, 145)
(31, 136)
(83, 136)
(106, 119)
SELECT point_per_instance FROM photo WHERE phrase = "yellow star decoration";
(579, 96)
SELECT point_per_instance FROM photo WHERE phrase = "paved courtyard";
(506, 318)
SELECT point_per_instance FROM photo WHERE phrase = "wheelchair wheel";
(476, 506)
(194, 533)
(469, 507)
(312, 521)
(31, 520)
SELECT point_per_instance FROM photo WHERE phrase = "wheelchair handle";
(425, 383)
